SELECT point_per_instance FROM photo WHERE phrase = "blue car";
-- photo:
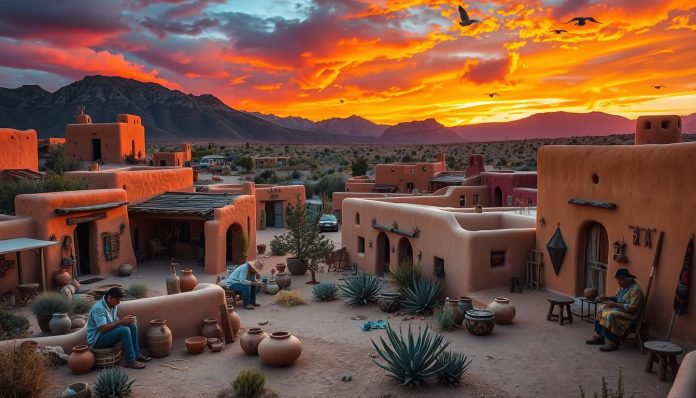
(328, 222)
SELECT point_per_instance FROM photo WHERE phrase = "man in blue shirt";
(241, 280)
(105, 329)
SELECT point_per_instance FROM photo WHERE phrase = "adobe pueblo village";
(161, 244)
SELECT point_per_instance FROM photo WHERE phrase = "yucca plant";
(112, 383)
(361, 289)
(404, 274)
(421, 296)
(412, 362)
(325, 291)
(444, 318)
(455, 365)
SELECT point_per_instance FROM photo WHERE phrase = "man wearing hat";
(618, 312)
(241, 281)
(105, 329)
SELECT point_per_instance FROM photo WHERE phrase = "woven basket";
(106, 357)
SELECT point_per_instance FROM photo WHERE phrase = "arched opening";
(383, 254)
(498, 197)
(234, 245)
(405, 251)
(596, 257)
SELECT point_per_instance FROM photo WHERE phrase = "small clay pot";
(81, 360)
(60, 323)
(77, 390)
(280, 268)
(217, 347)
(125, 270)
(590, 293)
(187, 281)
(211, 328)
(211, 341)
(195, 345)
(504, 311)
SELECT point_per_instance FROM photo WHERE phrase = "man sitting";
(241, 280)
(105, 329)
(617, 313)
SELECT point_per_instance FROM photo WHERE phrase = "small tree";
(359, 167)
(304, 239)
(246, 162)
(58, 160)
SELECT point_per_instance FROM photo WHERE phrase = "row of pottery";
(180, 284)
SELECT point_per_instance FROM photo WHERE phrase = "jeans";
(248, 292)
(127, 335)
(604, 332)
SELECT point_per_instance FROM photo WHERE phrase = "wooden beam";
(83, 209)
(592, 203)
(91, 217)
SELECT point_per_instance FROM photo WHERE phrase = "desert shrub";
(455, 364)
(325, 291)
(288, 298)
(421, 296)
(81, 305)
(607, 392)
(49, 303)
(360, 289)
(137, 290)
(249, 383)
(23, 374)
(12, 326)
(277, 248)
(52, 183)
(112, 383)
(444, 318)
(403, 275)
(59, 162)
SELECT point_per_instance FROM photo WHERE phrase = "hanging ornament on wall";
(557, 249)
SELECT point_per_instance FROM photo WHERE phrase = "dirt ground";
(529, 358)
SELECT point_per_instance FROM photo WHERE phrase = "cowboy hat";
(622, 273)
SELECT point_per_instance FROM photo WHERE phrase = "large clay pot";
(296, 266)
(173, 286)
(280, 349)
(465, 304)
(283, 280)
(211, 328)
(251, 339)
(389, 302)
(62, 277)
(159, 338)
(233, 319)
(272, 287)
(479, 322)
(503, 310)
(60, 323)
(125, 270)
(280, 267)
(261, 248)
(81, 360)
(590, 293)
(44, 322)
(458, 316)
(187, 281)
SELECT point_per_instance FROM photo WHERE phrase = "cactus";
(421, 296)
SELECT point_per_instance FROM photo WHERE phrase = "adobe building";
(46, 144)
(399, 177)
(19, 150)
(271, 162)
(173, 159)
(610, 204)
(116, 143)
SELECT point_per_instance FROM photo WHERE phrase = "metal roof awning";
(449, 179)
(82, 209)
(197, 205)
(21, 244)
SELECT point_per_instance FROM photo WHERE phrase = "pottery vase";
(389, 302)
(280, 267)
(271, 287)
(261, 248)
(250, 340)
(296, 266)
(78, 322)
(187, 281)
(503, 310)
(62, 277)
(465, 304)
(280, 349)
(211, 328)
(172, 281)
(233, 319)
(159, 338)
(590, 293)
(60, 323)
(44, 322)
(283, 280)
(81, 360)
(479, 322)
(125, 270)
(458, 316)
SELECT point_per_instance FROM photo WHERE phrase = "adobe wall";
(445, 197)
(41, 209)
(118, 140)
(359, 185)
(653, 186)
(19, 149)
(242, 212)
(507, 182)
(17, 227)
(400, 174)
(288, 194)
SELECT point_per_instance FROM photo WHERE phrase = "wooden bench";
(563, 304)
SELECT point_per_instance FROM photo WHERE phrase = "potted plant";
(46, 305)
(304, 241)
(243, 242)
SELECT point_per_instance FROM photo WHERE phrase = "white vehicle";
(209, 161)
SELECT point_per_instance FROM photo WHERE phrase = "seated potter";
(105, 329)
(617, 313)
(241, 280)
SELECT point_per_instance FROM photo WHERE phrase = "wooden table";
(665, 354)
(563, 303)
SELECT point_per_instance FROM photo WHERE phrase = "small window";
(647, 125)
(476, 199)
(595, 178)
(497, 258)
(462, 201)
(361, 244)
(357, 219)
(439, 267)
(665, 124)
(509, 200)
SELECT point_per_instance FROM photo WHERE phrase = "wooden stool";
(562, 302)
(106, 357)
(665, 354)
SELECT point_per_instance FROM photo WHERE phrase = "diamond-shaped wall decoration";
(557, 250)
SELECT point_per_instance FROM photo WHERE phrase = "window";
(361, 244)
(509, 200)
(357, 219)
(665, 124)
(439, 267)
(497, 258)
(462, 201)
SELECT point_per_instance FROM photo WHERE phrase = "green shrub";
(12, 326)
(137, 290)
(277, 248)
(411, 361)
(421, 296)
(444, 318)
(606, 392)
(249, 383)
(112, 383)
(325, 291)
(52, 183)
(81, 305)
(23, 374)
(403, 275)
(455, 364)
(361, 289)
(50, 303)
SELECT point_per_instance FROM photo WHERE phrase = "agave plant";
(444, 318)
(404, 274)
(455, 365)
(411, 361)
(361, 289)
(325, 291)
(421, 296)
(112, 383)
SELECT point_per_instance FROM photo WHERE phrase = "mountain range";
(171, 115)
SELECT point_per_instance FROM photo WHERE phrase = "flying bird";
(558, 31)
(341, 101)
(659, 86)
(582, 21)
(492, 94)
(465, 20)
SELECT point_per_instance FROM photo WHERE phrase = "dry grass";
(288, 298)
(23, 374)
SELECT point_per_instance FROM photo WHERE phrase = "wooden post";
(229, 339)
(43, 270)
(19, 267)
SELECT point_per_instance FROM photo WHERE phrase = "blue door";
(278, 213)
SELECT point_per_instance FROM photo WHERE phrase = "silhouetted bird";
(558, 31)
(582, 21)
(659, 86)
(492, 94)
(465, 20)
(341, 101)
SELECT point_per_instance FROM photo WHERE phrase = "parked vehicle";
(210, 161)
(328, 222)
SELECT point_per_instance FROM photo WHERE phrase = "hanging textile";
(681, 297)
(112, 245)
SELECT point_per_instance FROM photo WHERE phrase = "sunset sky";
(386, 60)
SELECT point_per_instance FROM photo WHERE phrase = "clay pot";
(389, 302)
(296, 266)
(458, 316)
(125, 270)
(187, 281)
(77, 390)
(465, 304)
(261, 248)
(233, 319)
(503, 310)
(78, 322)
(195, 345)
(62, 277)
(251, 339)
(211, 341)
(172, 281)
(159, 338)
(44, 323)
(81, 360)
(271, 287)
(283, 280)
(211, 328)
(590, 293)
(479, 322)
(280, 267)
(217, 347)
(60, 323)
(280, 349)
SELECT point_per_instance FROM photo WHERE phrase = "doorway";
(596, 257)
(405, 251)
(96, 149)
(82, 245)
(234, 245)
(383, 254)
(274, 213)
(498, 197)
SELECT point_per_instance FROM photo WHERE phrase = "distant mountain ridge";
(354, 125)
(427, 131)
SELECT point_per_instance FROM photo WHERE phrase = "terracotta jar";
(196, 344)
(280, 267)
(159, 338)
(272, 287)
(283, 280)
(251, 339)
(62, 277)
(187, 281)
(458, 316)
(81, 360)
(479, 322)
(60, 323)
(44, 322)
(233, 319)
(503, 310)
(211, 328)
(280, 349)
(389, 302)
(465, 304)
(590, 293)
